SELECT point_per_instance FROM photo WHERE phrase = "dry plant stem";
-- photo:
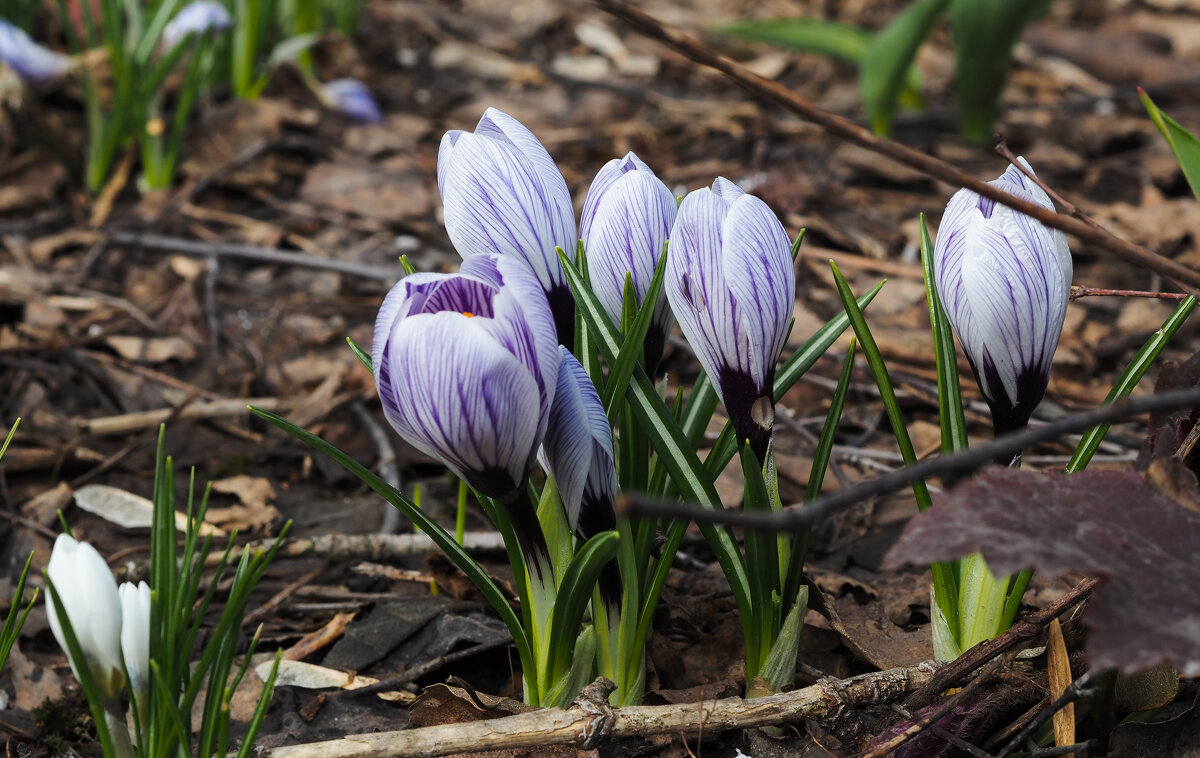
(1017, 637)
(1073, 693)
(583, 722)
(850, 131)
(800, 515)
(128, 422)
(950, 737)
(377, 548)
(416, 672)
(1078, 291)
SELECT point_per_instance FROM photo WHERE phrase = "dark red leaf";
(1141, 540)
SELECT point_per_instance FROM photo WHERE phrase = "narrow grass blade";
(574, 594)
(950, 407)
(1129, 379)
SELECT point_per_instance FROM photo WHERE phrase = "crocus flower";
(730, 283)
(503, 193)
(351, 98)
(89, 598)
(28, 59)
(1004, 280)
(578, 450)
(627, 218)
(135, 636)
(466, 366)
(195, 18)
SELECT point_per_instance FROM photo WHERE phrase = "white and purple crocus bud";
(730, 283)
(351, 98)
(29, 60)
(91, 603)
(466, 366)
(197, 18)
(503, 193)
(1004, 280)
(626, 221)
(578, 450)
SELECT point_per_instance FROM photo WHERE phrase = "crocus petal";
(90, 600)
(28, 59)
(195, 18)
(628, 214)
(696, 288)
(352, 99)
(452, 392)
(135, 635)
(758, 270)
(578, 450)
(1004, 279)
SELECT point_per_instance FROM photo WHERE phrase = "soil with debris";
(109, 326)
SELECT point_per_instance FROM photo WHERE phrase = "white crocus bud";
(135, 636)
(89, 598)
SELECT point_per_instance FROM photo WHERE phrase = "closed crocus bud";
(28, 59)
(351, 98)
(195, 18)
(578, 450)
(1004, 280)
(627, 218)
(503, 193)
(135, 636)
(89, 598)
(730, 283)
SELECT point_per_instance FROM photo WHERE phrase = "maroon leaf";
(1140, 539)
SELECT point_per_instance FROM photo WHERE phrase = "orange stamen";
(468, 314)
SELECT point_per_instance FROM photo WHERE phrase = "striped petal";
(631, 214)
(758, 269)
(450, 390)
(578, 450)
(608, 174)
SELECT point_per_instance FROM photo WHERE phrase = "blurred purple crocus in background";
(578, 450)
(195, 18)
(1004, 280)
(626, 220)
(351, 98)
(466, 366)
(730, 283)
(503, 193)
(28, 59)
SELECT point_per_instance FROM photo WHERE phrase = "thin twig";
(948, 736)
(802, 515)
(1078, 291)
(1070, 695)
(250, 252)
(428, 667)
(1069, 207)
(855, 133)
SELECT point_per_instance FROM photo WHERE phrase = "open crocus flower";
(195, 18)
(503, 193)
(28, 59)
(1004, 280)
(730, 283)
(627, 218)
(578, 450)
(351, 98)
(135, 637)
(89, 598)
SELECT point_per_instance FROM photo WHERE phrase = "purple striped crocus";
(730, 283)
(626, 220)
(466, 366)
(1004, 279)
(352, 99)
(578, 450)
(503, 193)
(28, 59)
